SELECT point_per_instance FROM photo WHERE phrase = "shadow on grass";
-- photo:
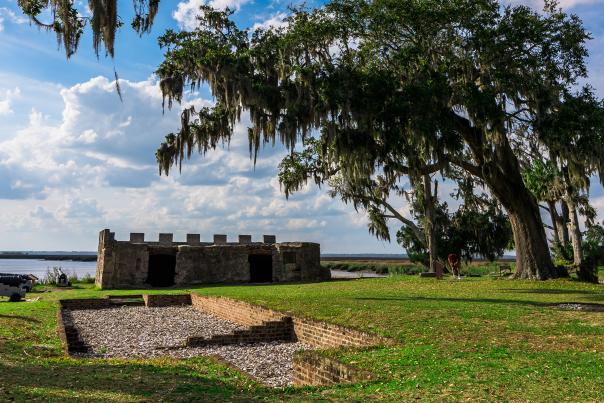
(23, 318)
(142, 382)
(551, 291)
(467, 300)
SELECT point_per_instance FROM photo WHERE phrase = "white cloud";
(7, 99)
(303, 223)
(10, 15)
(598, 204)
(274, 21)
(187, 11)
(67, 173)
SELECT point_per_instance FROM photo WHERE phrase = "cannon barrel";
(14, 280)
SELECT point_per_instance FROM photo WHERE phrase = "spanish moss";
(69, 24)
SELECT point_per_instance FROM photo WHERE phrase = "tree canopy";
(389, 83)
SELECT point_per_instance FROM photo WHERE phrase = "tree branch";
(471, 168)
(416, 230)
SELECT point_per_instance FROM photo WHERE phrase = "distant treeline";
(387, 258)
(75, 258)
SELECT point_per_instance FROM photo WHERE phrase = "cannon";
(28, 280)
(14, 286)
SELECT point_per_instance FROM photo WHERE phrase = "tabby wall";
(125, 264)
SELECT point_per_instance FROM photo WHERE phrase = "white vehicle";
(14, 287)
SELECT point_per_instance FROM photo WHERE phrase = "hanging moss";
(145, 11)
(68, 24)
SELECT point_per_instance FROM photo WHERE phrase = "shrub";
(87, 279)
(51, 277)
(379, 268)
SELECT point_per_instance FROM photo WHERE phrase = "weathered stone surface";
(166, 238)
(220, 239)
(126, 264)
(137, 237)
(269, 239)
(193, 239)
(245, 239)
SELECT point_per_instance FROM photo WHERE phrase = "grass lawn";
(478, 338)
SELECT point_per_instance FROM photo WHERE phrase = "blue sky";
(74, 160)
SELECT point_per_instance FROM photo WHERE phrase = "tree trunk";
(498, 167)
(533, 260)
(502, 175)
(564, 219)
(555, 217)
(429, 200)
(575, 231)
(585, 271)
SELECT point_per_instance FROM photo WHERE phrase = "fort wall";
(139, 263)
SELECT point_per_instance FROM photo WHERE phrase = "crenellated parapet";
(167, 239)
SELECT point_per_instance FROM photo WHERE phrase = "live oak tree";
(463, 82)
(465, 79)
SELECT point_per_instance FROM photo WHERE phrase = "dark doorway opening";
(261, 268)
(162, 269)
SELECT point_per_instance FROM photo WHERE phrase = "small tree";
(593, 247)
(470, 232)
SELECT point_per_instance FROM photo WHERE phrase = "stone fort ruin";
(164, 263)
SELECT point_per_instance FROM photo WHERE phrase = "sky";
(75, 160)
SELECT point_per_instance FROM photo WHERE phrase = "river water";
(39, 267)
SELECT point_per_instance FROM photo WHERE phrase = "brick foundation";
(90, 303)
(315, 333)
(68, 333)
(310, 368)
(263, 325)
(235, 311)
(281, 330)
(166, 300)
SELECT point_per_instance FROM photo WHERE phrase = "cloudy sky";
(74, 160)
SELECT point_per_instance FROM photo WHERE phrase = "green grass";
(380, 267)
(475, 339)
(406, 267)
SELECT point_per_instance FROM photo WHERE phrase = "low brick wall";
(88, 303)
(68, 333)
(315, 333)
(326, 335)
(235, 311)
(281, 330)
(166, 300)
(310, 368)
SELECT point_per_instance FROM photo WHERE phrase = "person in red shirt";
(454, 263)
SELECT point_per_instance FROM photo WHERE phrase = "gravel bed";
(141, 332)
(271, 363)
(582, 307)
